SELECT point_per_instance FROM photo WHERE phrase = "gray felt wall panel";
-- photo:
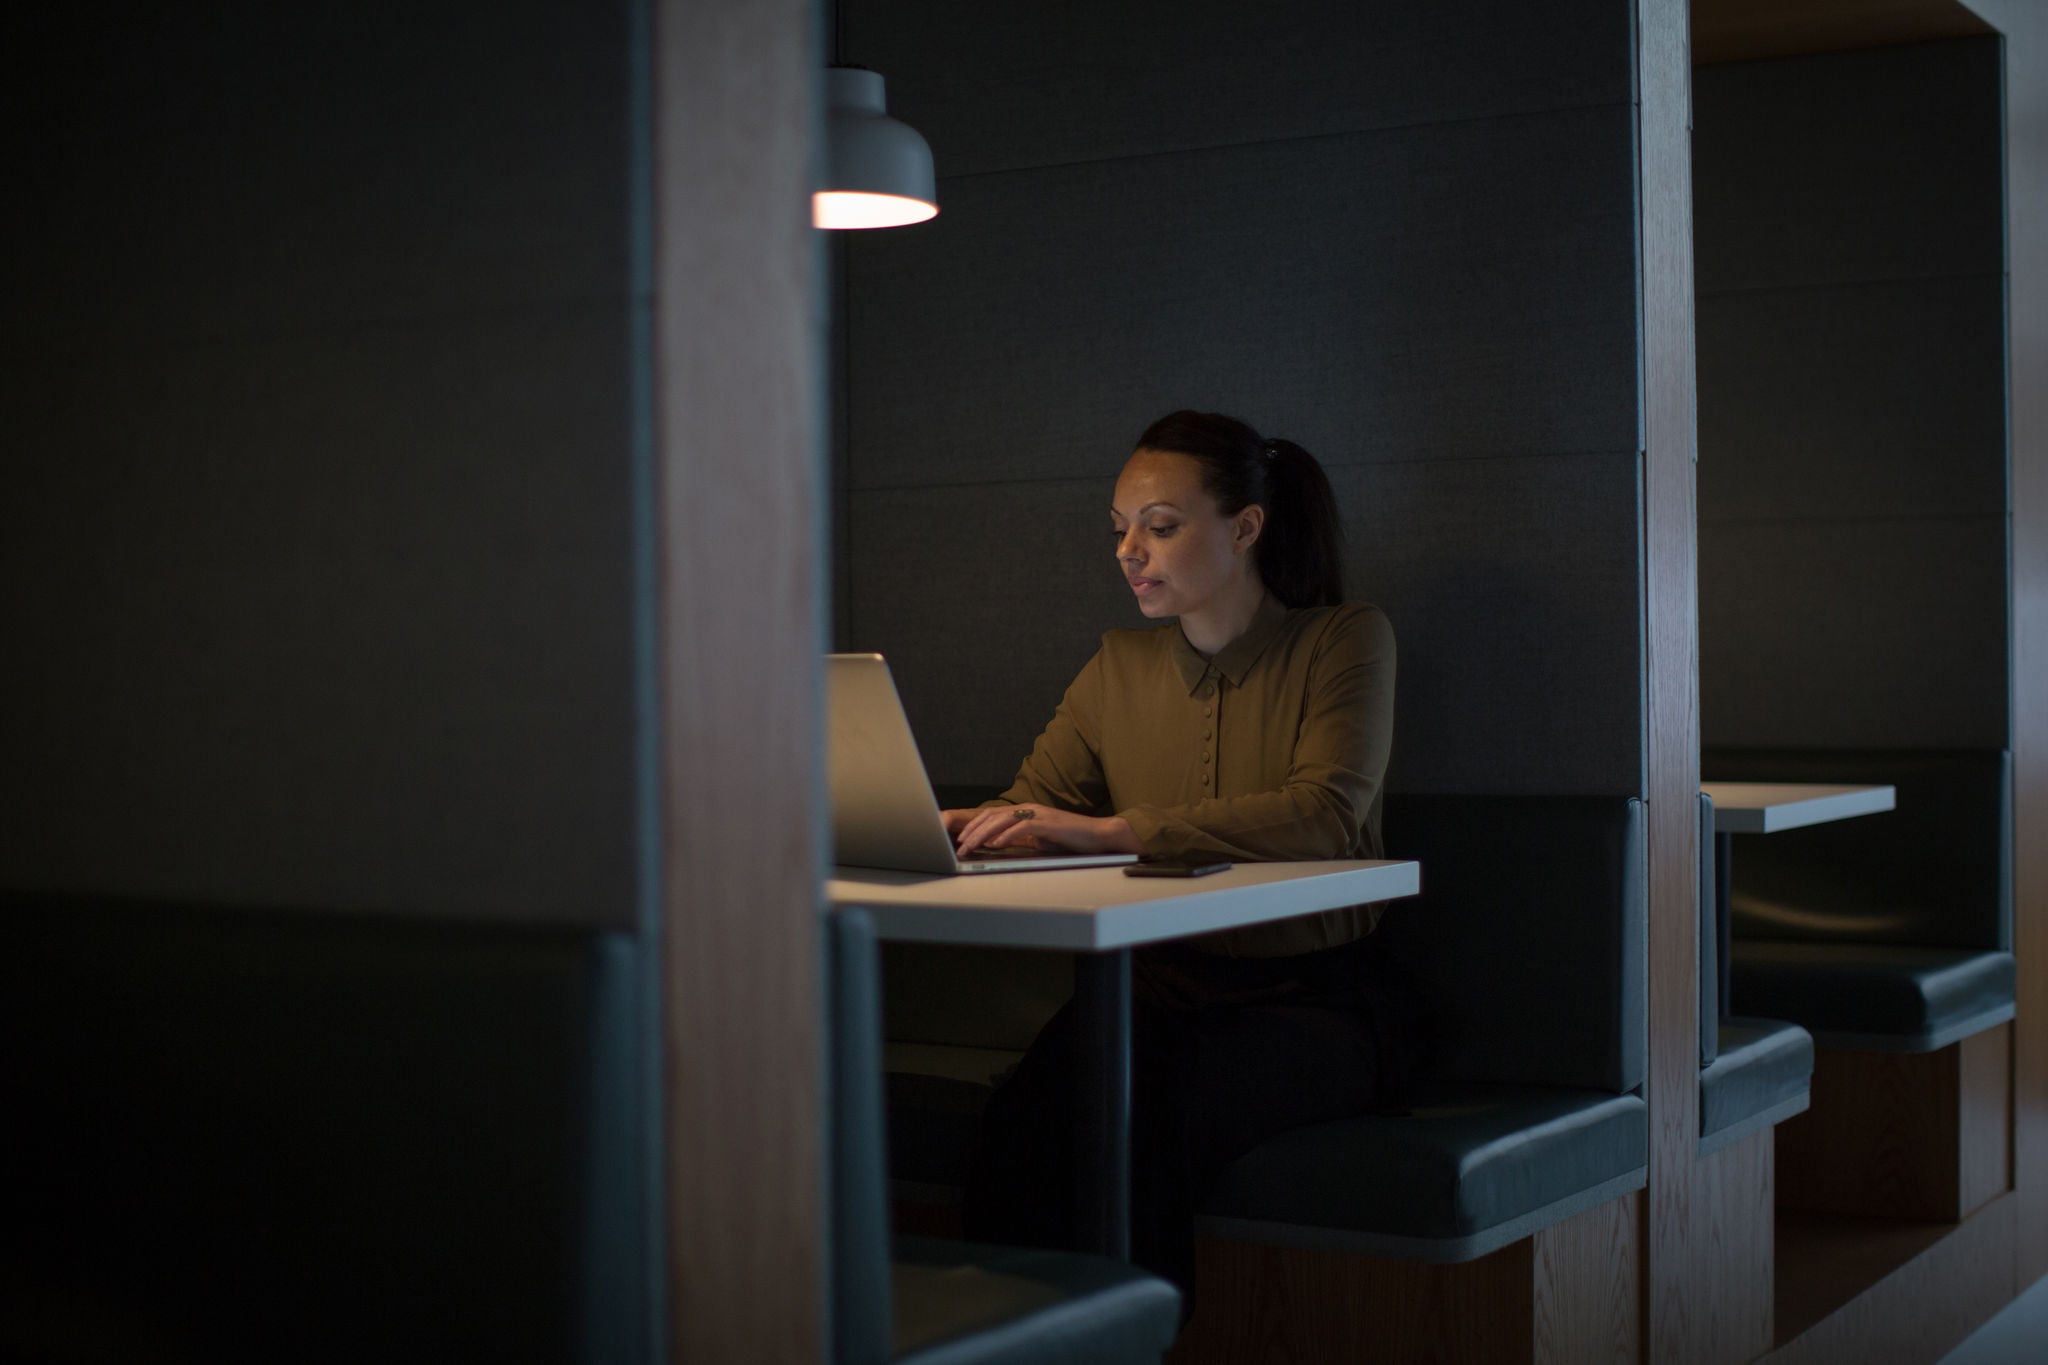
(1874, 399)
(319, 522)
(341, 620)
(1441, 291)
(1854, 634)
(1007, 85)
(1849, 215)
(1850, 166)
(249, 169)
(1516, 600)
(987, 599)
(1511, 583)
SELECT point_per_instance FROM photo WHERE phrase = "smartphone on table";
(1175, 867)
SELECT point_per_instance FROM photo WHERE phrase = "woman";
(1254, 725)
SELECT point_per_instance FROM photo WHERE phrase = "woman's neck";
(1224, 616)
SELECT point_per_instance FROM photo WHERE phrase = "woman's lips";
(1141, 586)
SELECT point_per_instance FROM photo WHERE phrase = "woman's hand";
(1043, 827)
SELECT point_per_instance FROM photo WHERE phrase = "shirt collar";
(1235, 659)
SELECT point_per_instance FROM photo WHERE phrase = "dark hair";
(1300, 553)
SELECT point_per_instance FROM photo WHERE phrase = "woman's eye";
(1165, 529)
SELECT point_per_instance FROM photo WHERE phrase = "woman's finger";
(1025, 826)
(995, 827)
(978, 828)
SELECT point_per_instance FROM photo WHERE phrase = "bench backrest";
(1528, 938)
(1935, 872)
(1709, 939)
(338, 1137)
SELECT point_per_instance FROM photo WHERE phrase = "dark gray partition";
(322, 565)
(1849, 216)
(998, 87)
(318, 527)
(1415, 255)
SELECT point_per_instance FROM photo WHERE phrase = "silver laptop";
(883, 810)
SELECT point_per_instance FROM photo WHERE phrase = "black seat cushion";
(1762, 1074)
(1468, 1169)
(962, 1302)
(1875, 996)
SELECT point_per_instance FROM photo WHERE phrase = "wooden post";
(736, 390)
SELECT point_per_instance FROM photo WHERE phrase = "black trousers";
(1226, 1053)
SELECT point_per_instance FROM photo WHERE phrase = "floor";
(2017, 1336)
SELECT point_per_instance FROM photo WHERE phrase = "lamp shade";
(878, 172)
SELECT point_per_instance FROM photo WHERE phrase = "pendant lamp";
(878, 172)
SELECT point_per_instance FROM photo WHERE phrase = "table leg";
(1724, 864)
(1102, 1137)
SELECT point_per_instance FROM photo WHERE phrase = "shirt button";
(1205, 758)
(1207, 712)
(1207, 733)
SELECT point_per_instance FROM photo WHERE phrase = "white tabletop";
(1096, 908)
(1767, 807)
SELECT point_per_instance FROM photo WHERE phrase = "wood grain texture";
(1587, 1304)
(1917, 1136)
(1920, 1311)
(2025, 25)
(1568, 1294)
(1879, 1137)
(1674, 1241)
(1749, 30)
(737, 456)
(1263, 1305)
(1733, 1194)
(1826, 1260)
(1983, 1118)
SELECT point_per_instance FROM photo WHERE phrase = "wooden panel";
(1826, 1260)
(1288, 1306)
(1880, 1137)
(1732, 1194)
(1587, 1302)
(2025, 24)
(1921, 1310)
(1983, 1118)
(738, 424)
(1923, 1136)
(1675, 1244)
(1746, 30)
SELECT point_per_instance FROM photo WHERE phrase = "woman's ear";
(1250, 522)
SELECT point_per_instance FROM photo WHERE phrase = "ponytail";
(1300, 551)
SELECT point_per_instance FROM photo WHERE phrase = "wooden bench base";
(1924, 1136)
(1568, 1293)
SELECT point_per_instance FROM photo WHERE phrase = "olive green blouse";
(1275, 749)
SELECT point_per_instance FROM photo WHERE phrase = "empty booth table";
(1767, 808)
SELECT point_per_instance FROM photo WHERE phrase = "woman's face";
(1175, 548)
